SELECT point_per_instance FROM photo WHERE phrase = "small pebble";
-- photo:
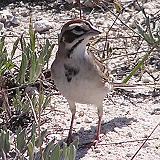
(145, 145)
(97, 150)
(129, 134)
(147, 79)
(128, 155)
(116, 129)
(42, 26)
(14, 21)
(1, 120)
(88, 120)
(81, 130)
(31, 91)
(78, 122)
(81, 114)
(1, 26)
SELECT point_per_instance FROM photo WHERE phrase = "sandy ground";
(124, 128)
(130, 117)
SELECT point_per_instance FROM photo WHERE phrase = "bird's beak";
(94, 31)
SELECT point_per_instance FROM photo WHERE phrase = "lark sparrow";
(76, 72)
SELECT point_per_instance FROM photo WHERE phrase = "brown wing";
(101, 67)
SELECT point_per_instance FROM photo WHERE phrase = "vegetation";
(23, 97)
(21, 135)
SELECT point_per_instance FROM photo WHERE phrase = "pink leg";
(69, 138)
(100, 113)
(73, 110)
(98, 128)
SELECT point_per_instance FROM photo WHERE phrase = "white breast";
(86, 86)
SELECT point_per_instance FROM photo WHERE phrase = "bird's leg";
(72, 107)
(100, 113)
(69, 138)
(98, 128)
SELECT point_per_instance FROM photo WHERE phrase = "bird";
(77, 73)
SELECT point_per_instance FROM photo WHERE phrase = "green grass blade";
(55, 155)
(21, 140)
(23, 68)
(32, 36)
(138, 66)
(33, 65)
(2, 44)
(15, 46)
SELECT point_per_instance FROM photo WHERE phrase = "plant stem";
(139, 65)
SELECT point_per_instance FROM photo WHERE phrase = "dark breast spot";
(70, 72)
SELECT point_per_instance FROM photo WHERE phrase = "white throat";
(79, 50)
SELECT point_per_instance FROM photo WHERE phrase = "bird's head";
(77, 31)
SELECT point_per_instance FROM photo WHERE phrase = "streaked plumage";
(76, 72)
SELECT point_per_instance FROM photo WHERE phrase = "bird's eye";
(78, 28)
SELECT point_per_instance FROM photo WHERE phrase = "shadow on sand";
(86, 136)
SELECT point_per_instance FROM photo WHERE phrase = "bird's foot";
(97, 140)
(94, 143)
